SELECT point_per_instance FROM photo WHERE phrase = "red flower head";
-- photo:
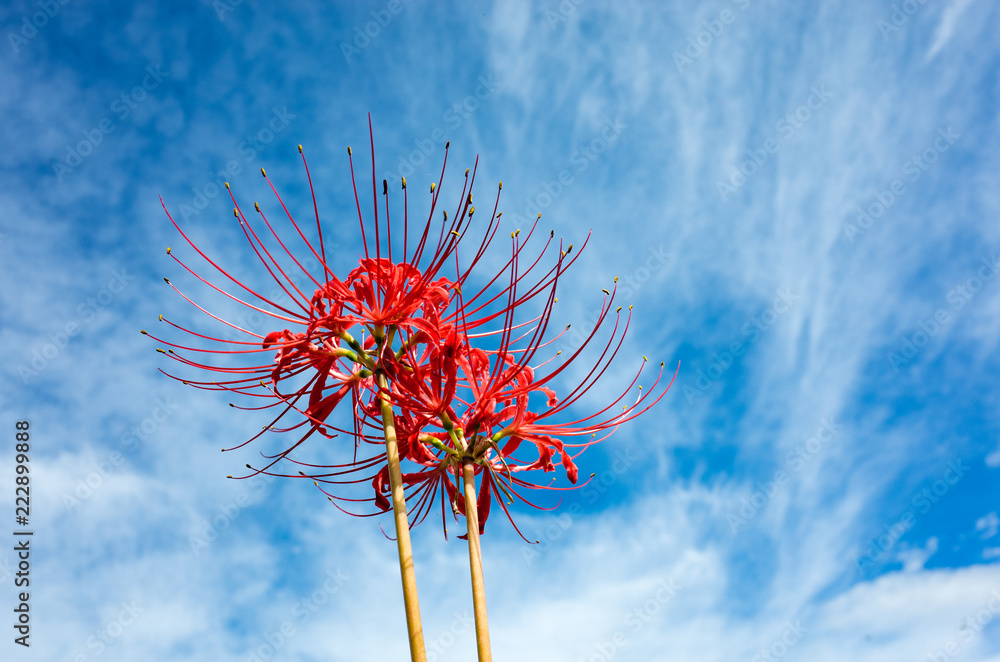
(399, 338)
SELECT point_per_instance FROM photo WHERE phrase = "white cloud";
(988, 524)
(993, 459)
(946, 28)
(915, 559)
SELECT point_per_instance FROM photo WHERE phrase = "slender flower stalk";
(476, 565)
(410, 601)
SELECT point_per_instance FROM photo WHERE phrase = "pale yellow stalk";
(476, 564)
(410, 602)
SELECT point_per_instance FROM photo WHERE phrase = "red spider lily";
(452, 401)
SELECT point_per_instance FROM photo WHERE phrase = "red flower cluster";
(398, 331)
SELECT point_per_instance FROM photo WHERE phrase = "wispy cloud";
(946, 28)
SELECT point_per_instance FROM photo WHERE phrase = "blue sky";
(800, 200)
